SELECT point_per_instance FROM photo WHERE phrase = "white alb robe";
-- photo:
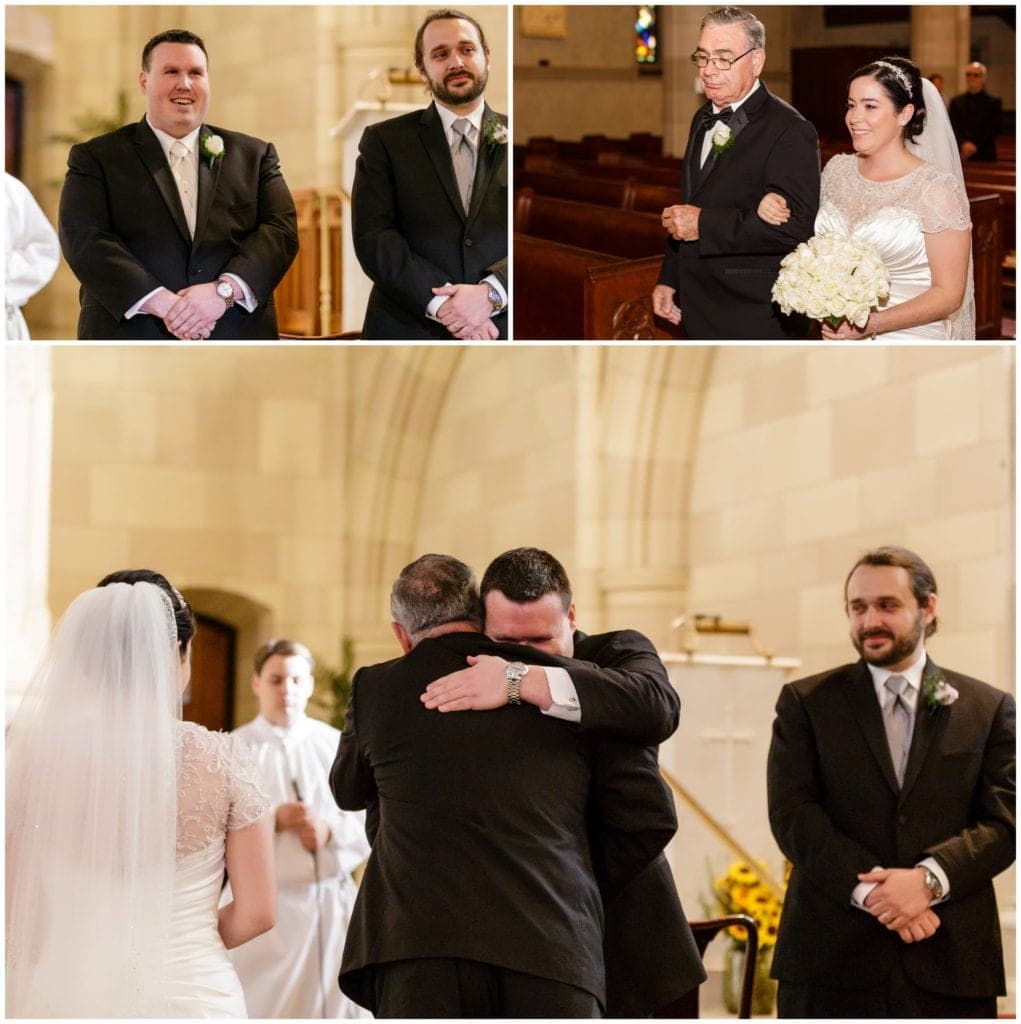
(32, 254)
(291, 970)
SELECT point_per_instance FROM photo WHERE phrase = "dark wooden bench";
(573, 294)
(625, 193)
(625, 233)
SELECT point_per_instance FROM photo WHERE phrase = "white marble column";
(29, 428)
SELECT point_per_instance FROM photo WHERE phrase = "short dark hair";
(923, 582)
(286, 648)
(526, 574)
(446, 14)
(891, 73)
(433, 591)
(184, 617)
(171, 35)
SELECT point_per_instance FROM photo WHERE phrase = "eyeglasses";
(701, 60)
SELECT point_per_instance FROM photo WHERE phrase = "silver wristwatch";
(494, 298)
(225, 290)
(515, 671)
(933, 884)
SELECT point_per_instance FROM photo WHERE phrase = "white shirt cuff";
(495, 282)
(247, 300)
(861, 891)
(136, 308)
(434, 305)
(565, 697)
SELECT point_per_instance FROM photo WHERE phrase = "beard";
(902, 646)
(464, 94)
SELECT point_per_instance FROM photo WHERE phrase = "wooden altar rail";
(308, 299)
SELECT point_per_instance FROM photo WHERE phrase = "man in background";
(976, 116)
(429, 201)
(291, 970)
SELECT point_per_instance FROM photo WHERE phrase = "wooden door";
(209, 699)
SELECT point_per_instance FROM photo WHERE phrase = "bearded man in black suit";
(429, 200)
(891, 791)
(176, 228)
(721, 259)
(615, 686)
(480, 897)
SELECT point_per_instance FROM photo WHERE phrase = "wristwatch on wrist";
(225, 289)
(933, 884)
(515, 671)
(494, 298)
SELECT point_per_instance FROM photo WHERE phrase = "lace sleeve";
(831, 174)
(248, 799)
(942, 204)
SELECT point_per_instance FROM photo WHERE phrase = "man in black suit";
(479, 898)
(976, 116)
(891, 791)
(176, 228)
(651, 958)
(721, 258)
(429, 201)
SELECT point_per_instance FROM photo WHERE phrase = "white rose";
(721, 133)
(214, 145)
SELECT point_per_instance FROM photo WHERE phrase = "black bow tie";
(709, 118)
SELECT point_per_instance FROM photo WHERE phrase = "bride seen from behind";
(902, 190)
(121, 819)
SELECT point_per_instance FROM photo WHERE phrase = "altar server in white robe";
(291, 971)
(32, 254)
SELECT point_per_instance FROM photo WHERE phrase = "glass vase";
(764, 990)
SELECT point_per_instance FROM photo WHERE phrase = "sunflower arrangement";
(742, 891)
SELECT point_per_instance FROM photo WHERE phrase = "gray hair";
(433, 591)
(754, 28)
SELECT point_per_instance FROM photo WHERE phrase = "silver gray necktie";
(897, 719)
(463, 154)
(185, 185)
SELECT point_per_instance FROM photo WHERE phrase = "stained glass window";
(646, 52)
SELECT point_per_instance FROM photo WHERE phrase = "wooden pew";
(625, 233)
(576, 294)
(625, 193)
(987, 256)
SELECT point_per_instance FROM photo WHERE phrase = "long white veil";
(92, 811)
(936, 145)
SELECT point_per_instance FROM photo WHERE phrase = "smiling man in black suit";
(176, 228)
(891, 791)
(721, 259)
(429, 201)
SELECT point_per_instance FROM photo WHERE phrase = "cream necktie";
(897, 719)
(463, 154)
(181, 168)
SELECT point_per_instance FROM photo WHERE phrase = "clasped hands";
(900, 902)
(190, 314)
(467, 312)
(312, 831)
(481, 687)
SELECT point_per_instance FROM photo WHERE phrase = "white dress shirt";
(707, 141)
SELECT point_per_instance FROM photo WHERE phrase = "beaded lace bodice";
(218, 788)
(937, 199)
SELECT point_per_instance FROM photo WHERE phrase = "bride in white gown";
(121, 819)
(902, 190)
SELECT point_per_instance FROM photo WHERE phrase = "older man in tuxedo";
(176, 228)
(480, 897)
(429, 201)
(891, 791)
(721, 259)
(616, 687)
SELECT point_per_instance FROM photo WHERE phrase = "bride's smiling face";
(871, 117)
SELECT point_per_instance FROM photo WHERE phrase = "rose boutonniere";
(212, 147)
(495, 131)
(723, 137)
(936, 691)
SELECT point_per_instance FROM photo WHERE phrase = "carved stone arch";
(253, 623)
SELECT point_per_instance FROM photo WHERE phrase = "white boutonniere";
(495, 131)
(723, 137)
(936, 691)
(212, 147)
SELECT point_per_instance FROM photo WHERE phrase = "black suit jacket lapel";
(929, 723)
(155, 160)
(692, 172)
(209, 178)
(489, 157)
(861, 695)
(737, 124)
(434, 139)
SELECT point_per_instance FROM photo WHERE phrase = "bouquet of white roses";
(832, 278)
